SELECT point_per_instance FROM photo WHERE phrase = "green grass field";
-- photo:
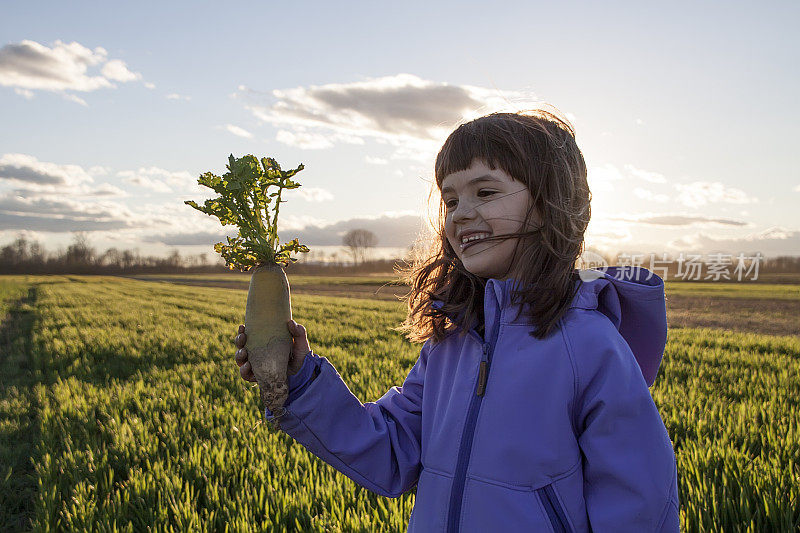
(121, 408)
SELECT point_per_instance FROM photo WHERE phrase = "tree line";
(29, 257)
(23, 256)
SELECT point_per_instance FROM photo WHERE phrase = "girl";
(528, 408)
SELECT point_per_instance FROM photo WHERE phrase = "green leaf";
(244, 201)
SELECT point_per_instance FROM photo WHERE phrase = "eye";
(450, 205)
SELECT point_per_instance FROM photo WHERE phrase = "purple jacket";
(513, 433)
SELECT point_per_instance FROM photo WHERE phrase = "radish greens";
(244, 201)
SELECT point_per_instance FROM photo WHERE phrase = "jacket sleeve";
(629, 470)
(376, 444)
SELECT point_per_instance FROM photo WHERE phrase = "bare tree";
(358, 241)
(175, 260)
(80, 252)
(37, 253)
(128, 259)
(111, 257)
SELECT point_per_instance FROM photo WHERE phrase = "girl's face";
(491, 202)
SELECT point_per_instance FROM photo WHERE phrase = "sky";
(685, 112)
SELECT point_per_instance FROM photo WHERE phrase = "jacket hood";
(631, 297)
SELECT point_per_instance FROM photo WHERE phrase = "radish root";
(270, 365)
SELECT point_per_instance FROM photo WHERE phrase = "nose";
(464, 210)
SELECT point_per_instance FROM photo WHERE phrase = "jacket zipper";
(553, 508)
(457, 492)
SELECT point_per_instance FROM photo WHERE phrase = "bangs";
(462, 147)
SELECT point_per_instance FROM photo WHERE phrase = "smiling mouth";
(471, 243)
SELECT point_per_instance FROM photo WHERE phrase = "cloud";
(76, 99)
(601, 178)
(117, 70)
(309, 194)
(679, 220)
(395, 230)
(304, 140)
(39, 178)
(52, 206)
(392, 229)
(399, 109)
(146, 182)
(158, 179)
(608, 237)
(401, 104)
(29, 176)
(375, 160)
(25, 93)
(200, 238)
(797, 188)
(56, 225)
(31, 173)
(176, 96)
(772, 242)
(301, 138)
(28, 66)
(106, 189)
(646, 175)
(96, 170)
(700, 193)
(51, 197)
(236, 130)
(646, 194)
(694, 194)
(60, 215)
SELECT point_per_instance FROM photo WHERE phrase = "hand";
(300, 348)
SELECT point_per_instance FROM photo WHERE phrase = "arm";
(630, 474)
(376, 444)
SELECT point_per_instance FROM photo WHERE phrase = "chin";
(478, 271)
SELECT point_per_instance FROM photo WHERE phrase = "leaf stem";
(274, 242)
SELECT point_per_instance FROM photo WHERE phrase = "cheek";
(449, 227)
(448, 232)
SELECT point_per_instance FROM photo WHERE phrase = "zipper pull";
(483, 372)
(482, 378)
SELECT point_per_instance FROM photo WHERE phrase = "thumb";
(300, 336)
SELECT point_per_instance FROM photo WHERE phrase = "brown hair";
(538, 149)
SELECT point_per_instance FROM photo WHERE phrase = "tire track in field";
(18, 414)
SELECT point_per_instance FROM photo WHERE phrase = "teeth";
(475, 237)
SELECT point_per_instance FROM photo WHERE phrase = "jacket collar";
(631, 297)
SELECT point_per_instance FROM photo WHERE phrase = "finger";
(241, 328)
(300, 335)
(241, 356)
(246, 372)
(240, 340)
(297, 330)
